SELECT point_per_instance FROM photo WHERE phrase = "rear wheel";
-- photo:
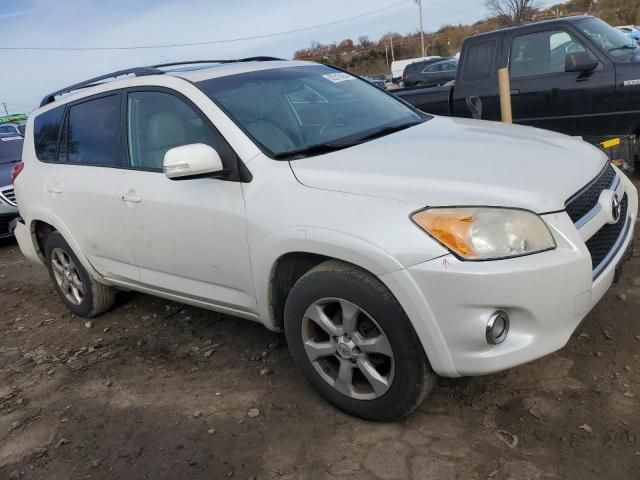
(355, 344)
(79, 292)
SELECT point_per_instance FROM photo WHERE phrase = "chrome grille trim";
(8, 195)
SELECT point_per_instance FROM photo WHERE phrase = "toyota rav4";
(390, 246)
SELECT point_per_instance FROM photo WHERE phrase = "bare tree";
(511, 12)
(626, 12)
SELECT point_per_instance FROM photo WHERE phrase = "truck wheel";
(79, 292)
(354, 343)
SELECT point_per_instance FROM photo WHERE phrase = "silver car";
(10, 155)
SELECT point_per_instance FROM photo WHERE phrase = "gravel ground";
(164, 391)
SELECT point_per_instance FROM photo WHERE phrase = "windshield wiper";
(311, 150)
(381, 132)
(321, 148)
(630, 46)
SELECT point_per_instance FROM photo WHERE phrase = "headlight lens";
(482, 233)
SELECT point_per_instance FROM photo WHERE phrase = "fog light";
(497, 327)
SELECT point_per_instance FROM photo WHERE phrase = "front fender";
(316, 240)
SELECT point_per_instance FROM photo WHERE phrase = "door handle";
(515, 92)
(55, 189)
(130, 198)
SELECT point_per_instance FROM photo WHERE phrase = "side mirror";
(580, 62)
(189, 161)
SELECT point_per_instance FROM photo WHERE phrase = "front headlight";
(484, 233)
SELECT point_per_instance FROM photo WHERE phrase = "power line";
(446, 7)
(212, 42)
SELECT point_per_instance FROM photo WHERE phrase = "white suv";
(389, 245)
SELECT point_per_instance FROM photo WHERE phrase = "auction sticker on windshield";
(338, 77)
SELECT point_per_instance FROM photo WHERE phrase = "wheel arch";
(293, 252)
(41, 227)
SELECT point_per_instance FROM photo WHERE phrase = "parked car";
(389, 245)
(10, 155)
(13, 128)
(631, 31)
(412, 72)
(432, 75)
(377, 80)
(398, 67)
(575, 75)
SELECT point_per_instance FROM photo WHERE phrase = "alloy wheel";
(67, 276)
(348, 349)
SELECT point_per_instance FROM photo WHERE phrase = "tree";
(625, 12)
(511, 12)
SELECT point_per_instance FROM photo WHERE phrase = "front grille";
(8, 195)
(5, 220)
(587, 197)
(605, 239)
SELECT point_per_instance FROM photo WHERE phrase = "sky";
(26, 75)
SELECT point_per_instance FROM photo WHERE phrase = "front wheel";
(75, 287)
(355, 344)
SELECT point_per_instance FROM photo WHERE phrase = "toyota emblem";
(615, 208)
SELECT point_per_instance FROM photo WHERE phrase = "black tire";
(413, 378)
(97, 299)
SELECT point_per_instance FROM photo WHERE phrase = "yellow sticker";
(611, 143)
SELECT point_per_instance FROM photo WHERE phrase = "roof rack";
(138, 72)
(238, 60)
(143, 71)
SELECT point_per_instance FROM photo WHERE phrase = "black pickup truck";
(574, 75)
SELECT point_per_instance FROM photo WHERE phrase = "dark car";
(377, 80)
(435, 74)
(10, 154)
(412, 72)
(574, 75)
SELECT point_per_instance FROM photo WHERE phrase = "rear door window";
(46, 130)
(479, 60)
(93, 132)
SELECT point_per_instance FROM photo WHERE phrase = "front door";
(545, 96)
(188, 236)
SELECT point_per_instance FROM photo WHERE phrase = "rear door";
(81, 183)
(477, 78)
(544, 95)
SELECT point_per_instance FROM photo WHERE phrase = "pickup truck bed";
(436, 100)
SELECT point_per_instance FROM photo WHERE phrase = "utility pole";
(5, 108)
(393, 57)
(419, 2)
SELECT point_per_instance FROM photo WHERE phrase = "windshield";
(612, 41)
(307, 110)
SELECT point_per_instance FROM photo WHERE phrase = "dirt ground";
(163, 391)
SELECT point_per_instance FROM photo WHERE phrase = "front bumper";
(546, 295)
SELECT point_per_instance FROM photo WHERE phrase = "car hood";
(450, 161)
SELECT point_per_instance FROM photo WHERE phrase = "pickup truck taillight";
(17, 168)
